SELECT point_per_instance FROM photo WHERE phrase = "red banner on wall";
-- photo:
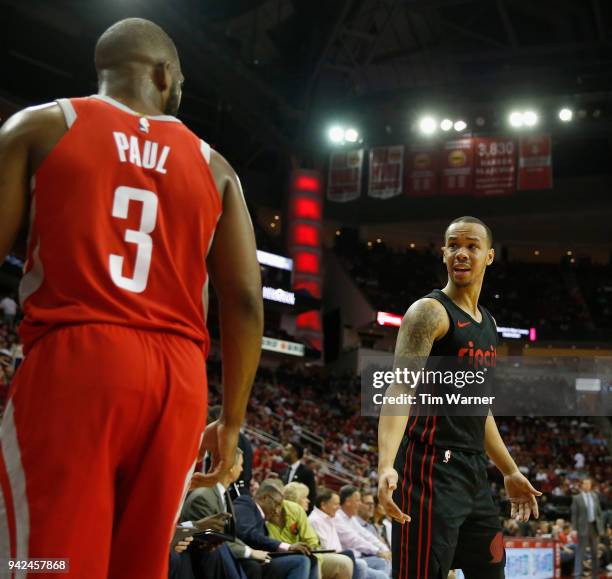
(386, 172)
(494, 166)
(535, 163)
(422, 171)
(344, 182)
(458, 167)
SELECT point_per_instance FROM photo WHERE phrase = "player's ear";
(162, 77)
(443, 248)
(490, 256)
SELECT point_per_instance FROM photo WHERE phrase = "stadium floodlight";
(566, 115)
(351, 135)
(460, 126)
(516, 119)
(530, 118)
(428, 125)
(446, 125)
(336, 134)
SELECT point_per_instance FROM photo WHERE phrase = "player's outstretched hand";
(220, 441)
(387, 483)
(522, 497)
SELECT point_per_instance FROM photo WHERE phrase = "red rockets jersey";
(123, 213)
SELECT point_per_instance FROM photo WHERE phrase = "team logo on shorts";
(496, 548)
(447, 455)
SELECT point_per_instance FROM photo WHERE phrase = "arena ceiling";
(264, 76)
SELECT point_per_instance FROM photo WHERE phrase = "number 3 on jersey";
(123, 195)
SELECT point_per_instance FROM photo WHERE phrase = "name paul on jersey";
(145, 154)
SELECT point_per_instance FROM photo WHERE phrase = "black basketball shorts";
(454, 522)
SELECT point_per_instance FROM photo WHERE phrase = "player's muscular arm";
(235, 274)
(424, 323)
(25, 140)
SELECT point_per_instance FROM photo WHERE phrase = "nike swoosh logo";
(463, 324)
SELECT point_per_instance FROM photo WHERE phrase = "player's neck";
(465, 297)
(133, 95)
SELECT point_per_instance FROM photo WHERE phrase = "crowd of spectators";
(567, 300)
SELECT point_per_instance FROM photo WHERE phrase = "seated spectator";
(323, 521)
(251, 515)
(353, 536)
(206, 502)
(292, 526)
(365, 513)
(298, 493)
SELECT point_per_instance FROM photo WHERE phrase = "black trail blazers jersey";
(468, 345)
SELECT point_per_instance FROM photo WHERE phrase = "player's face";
(467, 253)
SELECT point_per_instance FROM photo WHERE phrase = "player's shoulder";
(425, 307)
(427, 312)
(31, 121)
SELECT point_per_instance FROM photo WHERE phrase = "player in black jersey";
(432, 468)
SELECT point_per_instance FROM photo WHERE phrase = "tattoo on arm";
(421, 325)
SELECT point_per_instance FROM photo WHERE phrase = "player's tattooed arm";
(425, 322)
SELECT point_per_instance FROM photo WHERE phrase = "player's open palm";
(522, 497)
(220, 441)
(387, 483)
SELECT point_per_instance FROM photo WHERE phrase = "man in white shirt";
(353, 536)
(323, 521)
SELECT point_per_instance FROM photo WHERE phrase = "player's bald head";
(134, 40)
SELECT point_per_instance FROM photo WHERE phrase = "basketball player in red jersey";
(435, 466)
(129, 214)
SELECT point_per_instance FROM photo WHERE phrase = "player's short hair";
(346, 492)
(470, 219)
(131, 40)
(324, 495)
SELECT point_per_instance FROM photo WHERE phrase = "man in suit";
(206, 501)
(251, 515)
(297, 471)
(587, 520)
